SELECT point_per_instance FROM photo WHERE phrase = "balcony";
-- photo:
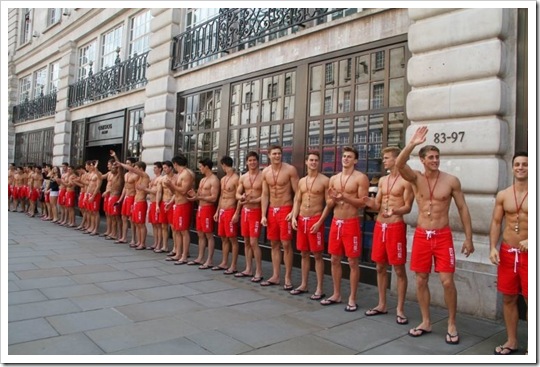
(123, 76)
(239, 28)
(43, 105)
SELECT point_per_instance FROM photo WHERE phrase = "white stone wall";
(462, 78)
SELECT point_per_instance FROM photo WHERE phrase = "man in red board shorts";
(394, 199)
(346, 193)
(309, 213)
(207, 195)
(512, 257)
(280, 181)
(434, 191)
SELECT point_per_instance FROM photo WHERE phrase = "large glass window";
(34, 147)
(261, 115)
(135, 132)
(111, 42)
(53, 15)
(358, 101)
(198, 126)
(87, 57)
(26, 25)
(25, 84)
(54, 76)
(77, 142)
(139, 33)
(40, 82)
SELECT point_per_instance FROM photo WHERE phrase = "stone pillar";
(62, 118)
(160, 105)
(462, 78)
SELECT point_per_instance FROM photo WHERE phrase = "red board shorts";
(69, 200)
(251, 222)
(205, 218)
(165, 216)
(513, 271)
(307, 241)
(16, 192)
(181, 216)
(34, 194)
(389, 243)
(94, 205)
(429, 245)
(62, 197)
(47, 197)
(152, 214)
(139, 212)
(345, 238)
(114, 209)
(127, 206)
(226, 227)
(82, 200)
(278, 228)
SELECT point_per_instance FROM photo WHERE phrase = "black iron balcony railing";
(43, 105)
(238, 28)
(123, 76)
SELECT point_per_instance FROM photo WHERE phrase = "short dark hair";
(253, 154)
(207, 162)
(159, 165)
(168, 164)
(423, 151)
(275, 147)
(141, 165)
(315, 153)
(226, 160)
(519, 154)
(351, 149)
(179, 160)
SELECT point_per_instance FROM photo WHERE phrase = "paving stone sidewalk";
(73, 294)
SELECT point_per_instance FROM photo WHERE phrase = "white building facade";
(153, 83)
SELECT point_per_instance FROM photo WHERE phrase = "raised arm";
(418, 138)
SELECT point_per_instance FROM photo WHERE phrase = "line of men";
(278, 199)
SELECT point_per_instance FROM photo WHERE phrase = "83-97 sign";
(453, 137)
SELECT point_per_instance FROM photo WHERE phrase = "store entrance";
(102, 154)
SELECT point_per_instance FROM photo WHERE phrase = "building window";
(135, 132)
(110, 42)
(139, 33)
(25, 84)
(34, 147)
(77, 142)
(368, 115)
(198, 122)
(265, 120)
(26, 25)
(53, 15)
(40, 82)
(54, 76)
(87, 57)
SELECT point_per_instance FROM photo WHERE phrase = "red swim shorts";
(226, 227)
(278, 228)
(513, 271)
(389, 243)
(433, 245)
(345, 237)
(205, 218)
(251, 222)
(307, 241)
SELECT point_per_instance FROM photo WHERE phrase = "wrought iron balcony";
(43, 105)
(123, 76)
(239, 28)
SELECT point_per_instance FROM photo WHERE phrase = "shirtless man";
(394, 199)
(165, 215)
(69, 201)
(309, 214)
(153, 213)
(225, 214)
(35, 182)
(11, 180)
(81, 180)
(512, 259)
(248, 194)
(180, 185)
(140, 205)
(207, 195)
(280, 181)
(62, 194)
(346, 193)
(434, 190)
(111, 201)
(93, 197)
(18, 184)
(127, 198)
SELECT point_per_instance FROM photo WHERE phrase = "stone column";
(62, 118)
(160, 105)
(462, 78)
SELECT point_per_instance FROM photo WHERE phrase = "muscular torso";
(349, 187)
(251, 183)
(392, 196)
(205, 188)
(510, 235)
(313, 191)
(279, 185)
(433, 200)
(229, 184)
(130, 179)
